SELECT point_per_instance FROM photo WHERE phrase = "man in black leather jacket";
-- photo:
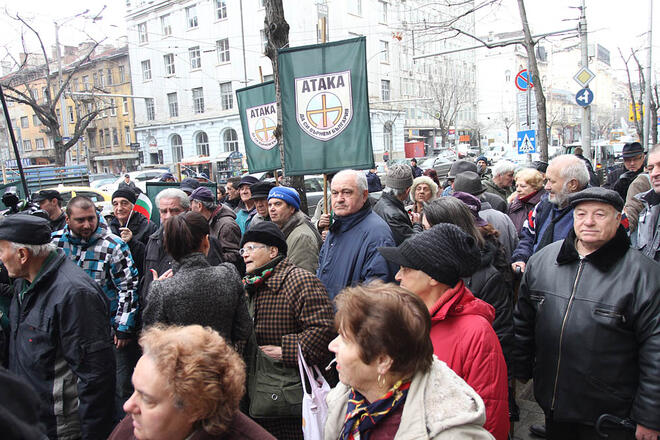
(587, 328)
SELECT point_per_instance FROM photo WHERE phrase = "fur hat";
(266, 233)
(426, 180)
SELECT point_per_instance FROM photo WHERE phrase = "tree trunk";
(541, 133)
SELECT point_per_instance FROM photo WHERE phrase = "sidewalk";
(530, 412)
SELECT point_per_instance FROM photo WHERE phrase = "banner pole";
(325, 193)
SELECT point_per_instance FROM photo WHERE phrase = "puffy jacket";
(141, 228)
(463, 337)
(588, 331)
(537, 222)
(303, 242)
(108, 260)
(439, 406)
(349, 253)
(60, 344)
(225, 229)
(489, 285)
(519, 210)
(647, 236)
(392, 210)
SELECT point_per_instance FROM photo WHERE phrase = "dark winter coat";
(60, 344)
(587, 331)
(303, 242)
(349, 253)
(19, 418)
(593, 179)
(199, 293)
(58, 223)
(496, 202)
(620, 178)
(392, 210)
(647, 235)
(373, 182)
(519, 210)
(225, 229)
(141, 228)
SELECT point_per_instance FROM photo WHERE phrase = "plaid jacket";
(293, 306)
(107, 259)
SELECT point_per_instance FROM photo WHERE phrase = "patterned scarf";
(362, 416)
(253, 281)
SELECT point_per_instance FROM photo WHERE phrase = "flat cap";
(25, 229)
(247, 180)
(203, 194)
(46, 194)
(597, 194)
(460, 166)
(260, 190)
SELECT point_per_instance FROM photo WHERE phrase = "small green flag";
(325, 107)
(258, 112)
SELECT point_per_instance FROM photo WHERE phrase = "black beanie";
(126, 193)
(444, 252)
(266, 233)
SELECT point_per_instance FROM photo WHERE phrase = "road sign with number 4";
(527, 141)
(584, 97)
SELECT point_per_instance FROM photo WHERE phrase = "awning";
(198, 160)
(117, 157)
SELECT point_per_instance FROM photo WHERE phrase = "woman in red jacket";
(432, 265)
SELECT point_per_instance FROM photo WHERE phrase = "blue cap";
(289, 195)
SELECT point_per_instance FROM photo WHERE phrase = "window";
(195, 57)
(24, 122)
(230, 140)
(385, 89)
(39, 144)
(27, 145)
(173, 104)
(107, 137)
(198, 100)
(191, 16)
(113, 107)
(165, 26)
(122, 75)
(70, 111)
(151, 110)
(101, 139)
(127, 135)
(124, 106)
(35, 120)
(220, 9)
(226, 96)
(264, 40)
(177, 148)
(85, 82)
(115, 137)
(109, 77)
(384, 52)
(383, 11)
(202, 142)
(96, 79)
(355, 7)
(169, 64)
(101, 78)
(146, 70)
(74, 86)
(142, 33)
(222, 49)
(387, 136)
(91, 138)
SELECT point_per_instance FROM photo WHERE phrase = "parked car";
(101, 199)
(440, 164)
(138, 177)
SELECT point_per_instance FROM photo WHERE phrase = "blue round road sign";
(584, 97)
(523, 81)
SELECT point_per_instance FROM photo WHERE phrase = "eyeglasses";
(249, 249)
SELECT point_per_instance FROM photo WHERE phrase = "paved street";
(530, 412)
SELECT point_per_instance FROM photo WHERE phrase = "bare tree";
(448, 94)
(639, 126)
(20, 91)
(508, 122)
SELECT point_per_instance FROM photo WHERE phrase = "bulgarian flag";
(143, 206)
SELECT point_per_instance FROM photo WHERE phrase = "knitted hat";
(126, 193)
(202, 194)
(482, 157)
(188, 185)
(260, 190)
(474, 204)
(399, 176)
(265, 233)
(289, 195)
(444, 252)
(469, 182)
(25, 229)
(597, 194)
(427, 181)
(461, 166)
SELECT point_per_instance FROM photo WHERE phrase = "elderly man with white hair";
(552, 218)
(501, 183)
(349, 254)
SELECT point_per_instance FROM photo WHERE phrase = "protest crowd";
(407, 308)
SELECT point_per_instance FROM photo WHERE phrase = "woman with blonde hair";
(188, 384)
(529, 191)
(422, 191)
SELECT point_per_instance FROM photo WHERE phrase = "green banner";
(325, 107)
(258, 111)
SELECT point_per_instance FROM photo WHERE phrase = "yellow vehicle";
(101, 199)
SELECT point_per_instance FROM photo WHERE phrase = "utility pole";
(240, 3)
(649, 80)
(586, 111)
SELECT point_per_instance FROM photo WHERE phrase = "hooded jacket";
(587, 331)
(108, 260)
(439, 406)
(349, 254)
(60, 344)
(463, 337)
(303, 242)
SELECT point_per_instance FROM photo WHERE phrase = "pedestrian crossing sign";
(526, 141)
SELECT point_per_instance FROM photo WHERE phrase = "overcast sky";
(612, 23)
